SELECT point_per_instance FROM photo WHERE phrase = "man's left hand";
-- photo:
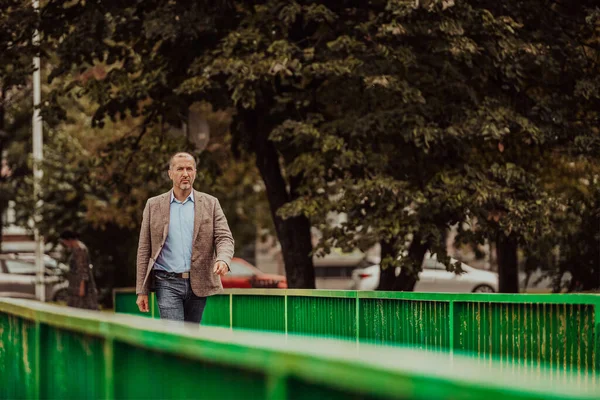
(221, 268)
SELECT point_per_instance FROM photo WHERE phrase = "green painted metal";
(322, 316)
(422, 324)
(18, 358)
(559, 330)
(109, 367)
(262, 313)
(124, 302)
(160, 375)
(301, 391)
(73, 367)
(561, 335)
(124, 356)
(480, 297)
(217, 311)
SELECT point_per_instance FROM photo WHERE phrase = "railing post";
(109, 369)
(451, 327)
(37, 390)
(596, 355)
(357, 319)
(230, 311)
(276, 386)
(285, 311)
(152, 299)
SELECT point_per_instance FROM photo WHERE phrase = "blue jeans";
(176, 300)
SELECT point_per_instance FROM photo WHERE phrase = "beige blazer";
(212, 241)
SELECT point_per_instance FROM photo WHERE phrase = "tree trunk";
(593, 245)
(293, 233)
(387, 277)
(508, 266)
(585, 267)
(406, 281)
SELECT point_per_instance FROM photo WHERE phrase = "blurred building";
(15, 239)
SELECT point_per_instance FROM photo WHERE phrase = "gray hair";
(181, 154)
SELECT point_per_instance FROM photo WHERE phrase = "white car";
(433, 278)
(18, 277)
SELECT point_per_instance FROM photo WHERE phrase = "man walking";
(185, 245)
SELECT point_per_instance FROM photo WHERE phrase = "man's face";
(183, 172)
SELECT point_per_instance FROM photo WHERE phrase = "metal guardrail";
(556, 330)
(48, 351)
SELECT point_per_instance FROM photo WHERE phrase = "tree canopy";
(407, 117)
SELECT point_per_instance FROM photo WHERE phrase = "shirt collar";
(190, 197)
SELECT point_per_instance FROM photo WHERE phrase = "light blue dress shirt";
(176, 255)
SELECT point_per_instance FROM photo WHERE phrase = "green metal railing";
(559, 330)
(53, 352)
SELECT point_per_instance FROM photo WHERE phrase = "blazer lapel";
(197, 213)
(165, 211)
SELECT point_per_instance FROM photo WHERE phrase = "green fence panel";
(561, 335)
(217, 311)
(167, 377)
(331, 314)
(18, 358)
(262, 313)
(72, 365)
(299, 390)
(557, 330)
(124, 302)
(422, 324)
(52, 352)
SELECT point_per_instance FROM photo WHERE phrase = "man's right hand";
(142, 302)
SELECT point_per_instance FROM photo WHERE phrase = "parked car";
(434, 278)
(18, 277)
(245, 275)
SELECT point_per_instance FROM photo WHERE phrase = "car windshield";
(431, 263)
(24, 264)
(20, 267)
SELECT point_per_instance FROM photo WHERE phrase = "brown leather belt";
(181, 275)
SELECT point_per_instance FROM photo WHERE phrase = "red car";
(245, 275)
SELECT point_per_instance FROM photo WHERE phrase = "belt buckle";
(185, 275)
